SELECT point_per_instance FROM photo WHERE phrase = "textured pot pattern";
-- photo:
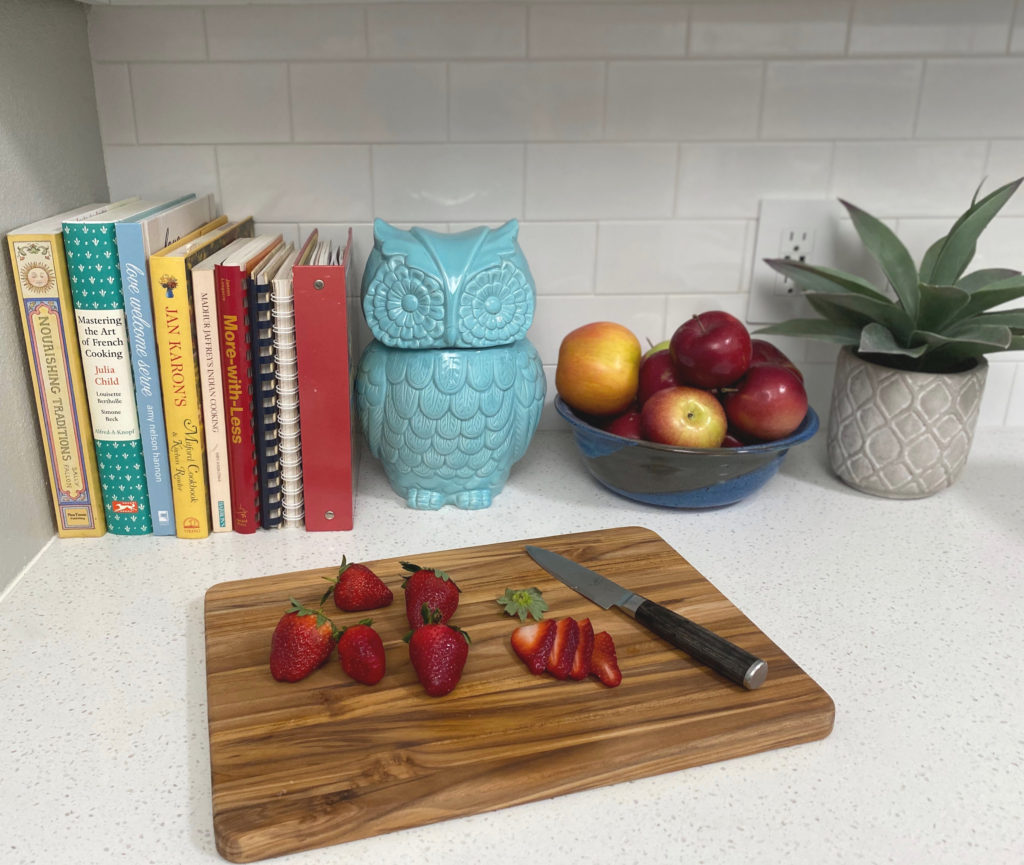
(898, 434)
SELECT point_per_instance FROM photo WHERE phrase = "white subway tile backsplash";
(685, 256)
(403, 31)
(519, 101)
(561, 255)
(846, 99)
(632, 139)
(908, 178)
(311, 182)
(173, 103)
(161, 171)
(972, 97)
(294, 32)
(446, 182)
(779, 29)
(368, 101)
(125, 33)
(727, 179)
(599, 181)
(114, 103)
(685, 100)
(930, 26)
(608, 30)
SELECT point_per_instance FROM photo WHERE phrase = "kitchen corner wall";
(633, 141)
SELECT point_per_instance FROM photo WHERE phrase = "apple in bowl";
(684, 417)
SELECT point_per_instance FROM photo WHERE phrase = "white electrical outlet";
(805, 231)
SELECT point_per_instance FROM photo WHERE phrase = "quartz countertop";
(908, 613)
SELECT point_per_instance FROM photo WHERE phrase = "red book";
(231, 277)
(325, 374)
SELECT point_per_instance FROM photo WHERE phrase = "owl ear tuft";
(385, 232)
(507, 231)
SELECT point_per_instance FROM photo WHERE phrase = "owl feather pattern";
(450, 391)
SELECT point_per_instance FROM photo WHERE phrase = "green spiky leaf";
(815, 328)
(856, 309)
(940, 305)
(524, 603)
(809, 277)
(889, 251)
(875, 338)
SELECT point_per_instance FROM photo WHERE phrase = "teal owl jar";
(449, 391)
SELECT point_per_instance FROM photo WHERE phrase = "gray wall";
(50, 160)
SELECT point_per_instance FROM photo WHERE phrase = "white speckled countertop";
(907, 613)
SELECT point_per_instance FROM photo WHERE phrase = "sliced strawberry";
(563, 647)
(603, 662)
(533, 644)
(584, 651)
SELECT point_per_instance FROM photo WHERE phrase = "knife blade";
(736, 664)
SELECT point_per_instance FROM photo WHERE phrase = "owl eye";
(407, 305)
(496, 306)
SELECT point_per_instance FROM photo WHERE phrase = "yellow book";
(170, 276)
(51, 339)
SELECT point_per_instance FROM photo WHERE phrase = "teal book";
(96, 292)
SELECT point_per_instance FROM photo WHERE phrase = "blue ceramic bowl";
(674, 477)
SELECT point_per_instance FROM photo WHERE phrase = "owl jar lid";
(431, 289)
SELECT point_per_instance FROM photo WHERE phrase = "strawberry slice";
(563, 648)
(584, 651)
(603, 662)
(533, 644)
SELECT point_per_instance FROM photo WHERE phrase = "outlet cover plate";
(790, 229)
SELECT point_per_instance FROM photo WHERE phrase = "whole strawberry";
(438, 653)
(361, 652)
(357, 588)
(431, 587)
(302, 641)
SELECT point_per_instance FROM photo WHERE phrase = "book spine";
(172, 312)
(236, 365)
(138, 307)
(95, 277)
(265, 416)
(325, 394)
(47, 318)
(289, 443)
(212, 393)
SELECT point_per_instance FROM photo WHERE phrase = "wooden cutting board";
(327, 760)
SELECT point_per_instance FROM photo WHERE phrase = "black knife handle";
(719, 654)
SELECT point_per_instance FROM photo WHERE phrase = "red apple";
(684, 417)
(657, 371)
(768, 403)
(763, 353)
(626, 425)
(730, 441)
(710, 350)
(598, 368)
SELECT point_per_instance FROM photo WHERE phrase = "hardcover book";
(170, 276)
(325, 374)
(95, 275)
(237, 367)
(204, 301)
(136, 241)
(51, 340)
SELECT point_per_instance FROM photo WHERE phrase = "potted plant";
(911, 373)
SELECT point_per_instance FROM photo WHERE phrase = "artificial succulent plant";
(932, 318)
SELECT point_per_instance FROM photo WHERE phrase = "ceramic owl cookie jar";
(449, 392)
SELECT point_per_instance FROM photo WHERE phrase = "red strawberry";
(533, 644)
(432, 587)
(358, 588)
(563, 648)
(361, 652)
(603, 662)
(302, 641)
(438, 653)
(584, 651)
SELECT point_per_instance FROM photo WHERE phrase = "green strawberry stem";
(524, 603)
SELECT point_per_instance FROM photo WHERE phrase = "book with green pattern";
(95, 277)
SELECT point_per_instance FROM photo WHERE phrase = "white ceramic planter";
(898, 434)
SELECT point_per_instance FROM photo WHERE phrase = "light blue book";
(137, 239)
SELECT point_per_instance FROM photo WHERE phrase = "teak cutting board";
(326, 760)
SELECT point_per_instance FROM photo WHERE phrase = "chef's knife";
(730, 660)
